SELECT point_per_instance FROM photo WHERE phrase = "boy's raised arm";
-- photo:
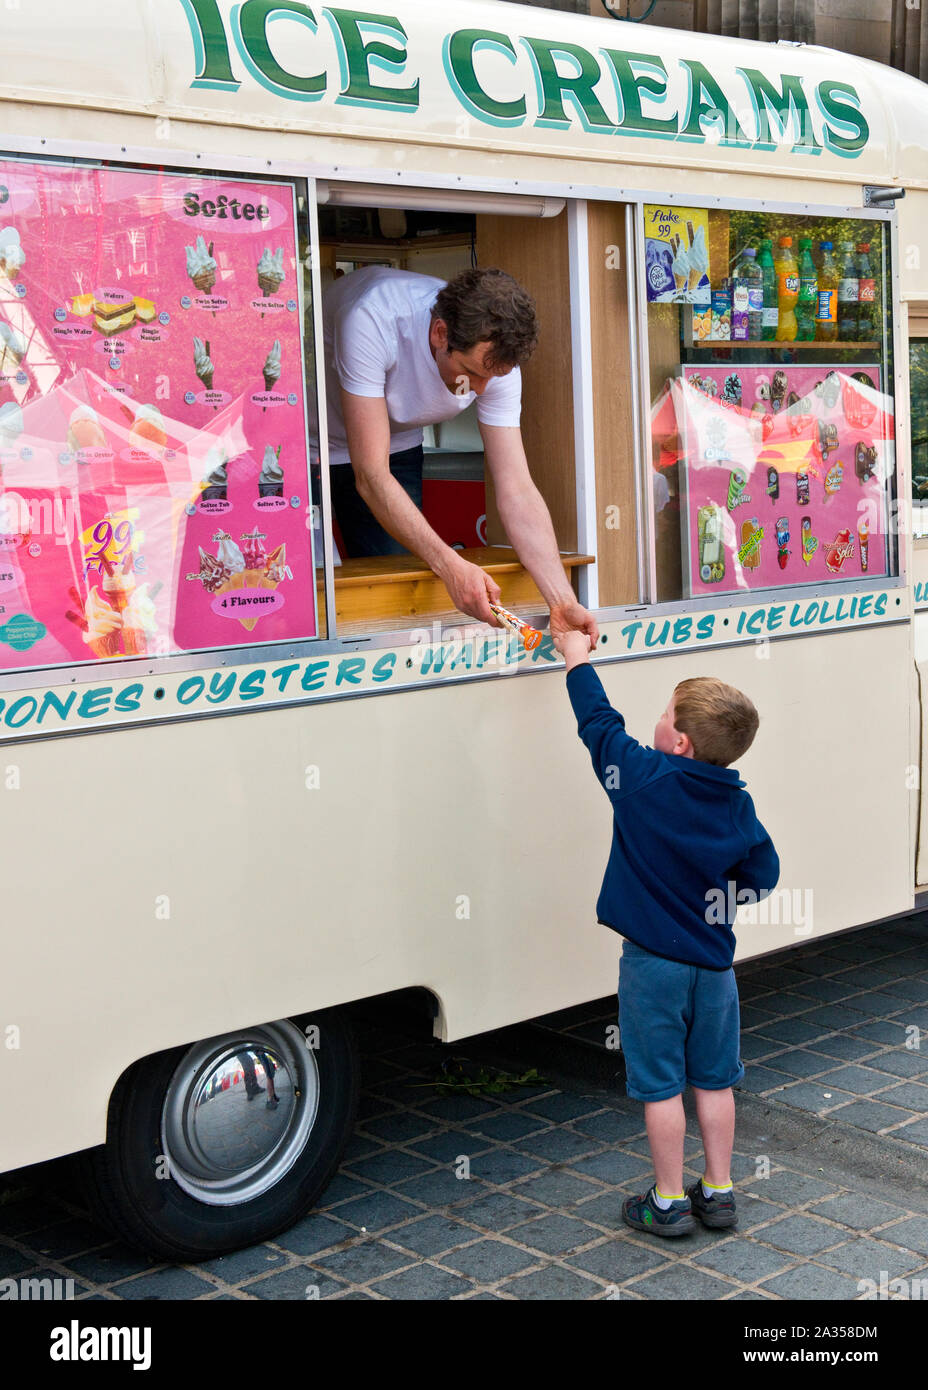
(619, 761)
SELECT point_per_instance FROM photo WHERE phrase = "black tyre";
(227, 1142)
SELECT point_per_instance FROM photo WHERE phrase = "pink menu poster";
(154, 492)
(784, 475)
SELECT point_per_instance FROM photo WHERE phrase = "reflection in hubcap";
(238, 1112)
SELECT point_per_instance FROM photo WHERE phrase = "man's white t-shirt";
(376, 343)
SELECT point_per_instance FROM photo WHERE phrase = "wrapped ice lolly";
(531, 637)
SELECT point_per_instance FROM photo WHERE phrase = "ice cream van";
(247, 780)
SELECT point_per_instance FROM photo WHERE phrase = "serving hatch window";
(154, 395)
(771, 429)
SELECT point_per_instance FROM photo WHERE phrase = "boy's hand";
(573, 646)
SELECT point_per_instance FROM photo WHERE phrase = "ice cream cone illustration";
(85, 430)
(271, 477)
(271, 368)
(139, 622)
(202, 362)
(148, 433)
(270, 271)
(12, 347)
(118, 583)
(255, 557)
(12, 255)
(217, 479)
(102, 625)
(698, 257)
(201, 266)
(212, 573)
(679, 265)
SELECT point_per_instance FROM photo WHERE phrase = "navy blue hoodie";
(685, 839)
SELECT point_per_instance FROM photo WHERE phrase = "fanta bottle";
(787, 268)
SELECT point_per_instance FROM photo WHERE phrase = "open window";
(440, 234)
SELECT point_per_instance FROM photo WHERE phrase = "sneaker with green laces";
(717, 1211)
(644, 1214)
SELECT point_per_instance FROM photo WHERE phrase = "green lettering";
(249, 29)
(630, 85)
(708, 102)
(554, 89)
(459, 50)
(786, 105)
(210, 46)
(846, 130)
(366, 41)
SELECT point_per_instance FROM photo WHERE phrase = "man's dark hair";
(489, 306)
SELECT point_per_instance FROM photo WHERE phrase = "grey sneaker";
(716, 1212)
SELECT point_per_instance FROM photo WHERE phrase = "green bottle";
(771, 302)
(808, 293)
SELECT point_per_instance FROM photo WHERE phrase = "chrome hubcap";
(238, 1113)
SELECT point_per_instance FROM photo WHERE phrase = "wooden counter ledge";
(379, 593)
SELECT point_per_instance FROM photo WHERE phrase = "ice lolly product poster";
(154, 492)
(676, 246)
(784, 475)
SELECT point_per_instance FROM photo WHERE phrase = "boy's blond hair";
(719, 720)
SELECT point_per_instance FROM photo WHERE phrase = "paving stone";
(292, 1285)
(371, 1105)
(605, 1210)
(553, 1282)
(451, 1144)
(616, 1261)
(557, 1145)
(870, 1115)
(749, 1294)
(401, 1127)
(489, 1260)
(560, 1106)
(916, 1133)
(862, 1081)
(901, 1062)
(880, 1031)
(612, 1166)
(792, 1030)
(361, 1263)
(829, 1017)
(785, 1004)
(876, 1004)
(555, 1235)
(911, 1233)
(242, 1264)
(861, 1213)
(501, 1165)
(66, 1238)
(801, 1235)
(391, 1166)
(824, 963)
(497, 1211)
(34, 1285)
(754, 1017)
(758, 1079)
(13, 1263)
(812, 1281)
(743, 1259)
(440, 1188)
(596, 1032)
(775, 976)
(799, 1063)
(682, 1282)
(915, 991)
(511, 1124)
(754, 1047)
(810, 1095)
(342, 1188)
(911, 1095)
(846, 1048)
(865, 1259)
(827, 989)
(612, 1126)
(32, 1214)
(110, 1263)
(315, 1233)
(458, 1107)
(791, 1189)
(164, 1284)
(557, 1189)
(431, 1235)
(423, 1282)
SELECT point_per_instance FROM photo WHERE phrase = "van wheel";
(225, 1143)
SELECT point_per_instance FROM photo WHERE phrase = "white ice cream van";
(246, 780)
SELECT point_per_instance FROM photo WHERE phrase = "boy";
(685, 839)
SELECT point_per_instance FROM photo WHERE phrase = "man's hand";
(573, 646)
(472, 590)
(570, 615)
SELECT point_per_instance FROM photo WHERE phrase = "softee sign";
(366, 59)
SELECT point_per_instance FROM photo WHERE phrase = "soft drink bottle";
(747, 320)
(808, 292)
(826, 317)
(866, 310)
(771, 309)
(848, 294)
(787, 270)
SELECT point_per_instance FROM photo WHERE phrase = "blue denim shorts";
(680, 1026)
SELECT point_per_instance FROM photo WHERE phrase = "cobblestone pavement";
(518, 1196)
